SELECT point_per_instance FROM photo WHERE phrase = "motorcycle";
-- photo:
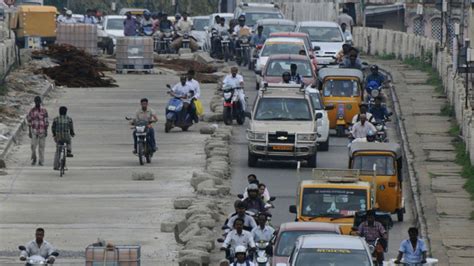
(37, 260)
(176, 114)
(381, 134)
(225, 47)
(147, 30)
(186, 40)
(232, 107)
(377, 251)
(163, 45)
(262, 257)
(243, 52)
(254, 52)
(144, 150)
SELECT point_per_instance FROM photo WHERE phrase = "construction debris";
(184, 65)
(76, 68)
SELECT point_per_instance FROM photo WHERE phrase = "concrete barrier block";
(189, 232)
(182, 203)
(167, 227)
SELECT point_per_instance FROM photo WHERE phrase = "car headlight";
(306, 137)
(257, 136)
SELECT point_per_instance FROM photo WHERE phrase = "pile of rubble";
(199, 229)
(76, 68)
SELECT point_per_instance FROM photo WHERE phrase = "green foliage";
(386, 57)
(423, 64)
(447, 110)
(463, 159)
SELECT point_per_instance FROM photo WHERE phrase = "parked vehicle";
(176, 114)
(256, 11)
(232, 106)
(289, 232)
(330, 250)
(326, 38)
(25, 22)
(108, 32)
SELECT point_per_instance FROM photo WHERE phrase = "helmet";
(240, 249)
(69, 12)
(370, 136)
(286, 73)
(177, 16)
(147, 13)
(253, 187)
(241, 17)
(374, 68)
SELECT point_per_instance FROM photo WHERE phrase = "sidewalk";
(446, 205)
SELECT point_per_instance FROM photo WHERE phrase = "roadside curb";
(18, 130)
(408, 160)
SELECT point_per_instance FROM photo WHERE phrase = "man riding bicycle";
(63, 130)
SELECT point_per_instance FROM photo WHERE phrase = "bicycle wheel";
(62, 162)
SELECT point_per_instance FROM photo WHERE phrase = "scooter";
(262, 257)
(143, 146)
(232, 107)
(176, 114)
(37, 260)
(254, 55)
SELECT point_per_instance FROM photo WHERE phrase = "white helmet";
(240, 249)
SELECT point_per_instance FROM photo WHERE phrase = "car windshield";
(114, 24)
(277, 67)
(267, 29)
(385, 164)
(332, 257)
(333, 202)
(200, 23)
(340, 88)
(286, 240)
(316, 101)
(286, 109)
(323, 34)
(252, 18)
(282, 48)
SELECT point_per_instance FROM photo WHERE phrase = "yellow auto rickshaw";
(341, 87)
(387, 159)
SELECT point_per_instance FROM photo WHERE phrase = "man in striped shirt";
(63, 130)
(38, 130)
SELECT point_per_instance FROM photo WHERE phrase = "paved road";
(97, 197)
(282, 178)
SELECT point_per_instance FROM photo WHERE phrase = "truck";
(34, 25)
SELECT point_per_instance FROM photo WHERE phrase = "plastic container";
(121, 255)
(134, 53)
(82, 36)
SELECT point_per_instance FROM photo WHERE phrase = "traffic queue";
(312, 85)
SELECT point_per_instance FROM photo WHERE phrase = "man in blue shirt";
(258, 38)
(378, 111)
(413, 249)
(375, 75)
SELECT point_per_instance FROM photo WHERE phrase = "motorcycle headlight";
(140, 129)
(258, 136)
(306, 137)
(374, 93)
(262, 259)
(379, 127)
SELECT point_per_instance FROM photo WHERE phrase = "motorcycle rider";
(361, 128)
(413, 249)
(371, 137)
(184, 26)
(263, 232)
(379, 111)
(249, 221)
(39, 247)
(344, 52)
(252, 179)
(222, 29)
(63, 130)
(146, 23)
(363, 110)
(352, 61)
(165, 23)
(258, 38)
(130, 25)
(375, 75)
(147, 114)
(236, 81)
(254, 202)
(263, 193)
(185, 92)
(240, 30)
(241, 257)
(194, 84)
(372, 230)
(237, 237)
(286, 78)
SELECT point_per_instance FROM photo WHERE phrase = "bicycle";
(61, 157)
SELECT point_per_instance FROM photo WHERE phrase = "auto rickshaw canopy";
(376, 147)
(340, 72)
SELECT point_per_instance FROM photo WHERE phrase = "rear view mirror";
(240, 196)
(21, 248)
(292, 209)
(319, 116)
(329, 106)
(168, 86)
(272, 198)
(55, 254)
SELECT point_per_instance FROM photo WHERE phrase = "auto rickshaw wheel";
(252, 160)
(341, 131)
(400, 214)
(324, 146)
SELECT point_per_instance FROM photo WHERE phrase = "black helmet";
(241, 18)
(374, 68)
(286, 73)
(370, 136)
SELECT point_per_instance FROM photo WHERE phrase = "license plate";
(282, 148)
(171, 108)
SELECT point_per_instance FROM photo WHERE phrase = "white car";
(112, 26)
(330, 250)
(277, 45)
(326, 38)
(199, 32)
(323, 122)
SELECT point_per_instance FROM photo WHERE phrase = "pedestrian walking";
(38, 124)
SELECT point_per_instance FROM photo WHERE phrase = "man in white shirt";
(61, 16)
(347, 34)
(186, 92)
(40, 247)
(363, 110)
(235, 80)
(237, 237)
(345, 18)
(194, 84)
(249, 221)
(264, 233)
(68, 19)
(362, 128)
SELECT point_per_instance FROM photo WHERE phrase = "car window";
(385, 164)
(286, 240)
(200, 23)
(323, 34)
(333, 202)
(277, 67)
(282, 48)
(316, 101)
(268, 29)
(115, 24)
(340, 88)
(251, 18)
(331, 256)
(285, 109)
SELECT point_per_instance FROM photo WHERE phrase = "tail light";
(259, 46)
